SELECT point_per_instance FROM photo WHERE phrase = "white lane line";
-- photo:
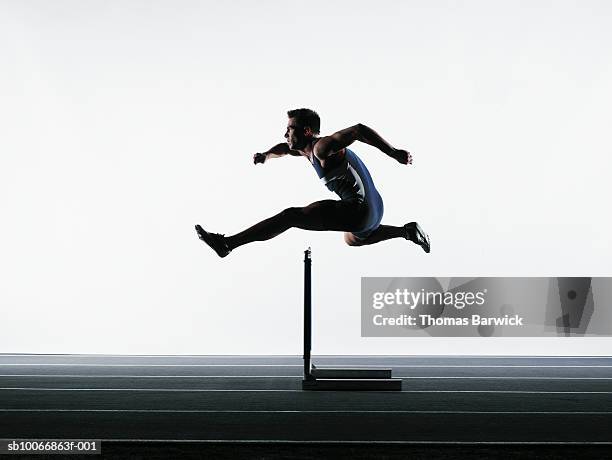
(407, 377)
(204, 390)
(212, 411)
(167, 376)
(170, 356)
(301, 365)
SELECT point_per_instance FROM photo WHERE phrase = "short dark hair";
(306, 118)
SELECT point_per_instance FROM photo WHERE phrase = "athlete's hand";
(403, 156)
(259, 158)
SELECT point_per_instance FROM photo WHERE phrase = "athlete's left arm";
(328, 145)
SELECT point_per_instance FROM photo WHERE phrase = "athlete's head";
(302, 126)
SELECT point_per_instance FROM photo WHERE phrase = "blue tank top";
(348, 178)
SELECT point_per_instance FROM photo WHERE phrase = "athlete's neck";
(309, 147)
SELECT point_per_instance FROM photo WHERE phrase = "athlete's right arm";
(277, 151)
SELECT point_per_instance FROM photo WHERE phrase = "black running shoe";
(214, 240)
(415, 233)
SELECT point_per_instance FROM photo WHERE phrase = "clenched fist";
(259, 158)
(403, 156)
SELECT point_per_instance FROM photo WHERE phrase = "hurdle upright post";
(334, 379)
(307, 315)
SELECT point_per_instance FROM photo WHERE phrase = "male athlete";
(359, 210)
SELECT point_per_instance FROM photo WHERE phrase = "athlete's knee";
(352, 240)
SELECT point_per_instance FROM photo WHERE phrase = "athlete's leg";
(412, 232)
(336, 215)
(321, 215)
(382, 233)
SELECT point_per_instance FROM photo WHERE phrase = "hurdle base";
(351, 379)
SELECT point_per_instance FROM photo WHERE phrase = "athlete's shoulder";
(325, 147)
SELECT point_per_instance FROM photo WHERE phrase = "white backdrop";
(124, 123)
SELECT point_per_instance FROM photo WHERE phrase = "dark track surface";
(237, 398)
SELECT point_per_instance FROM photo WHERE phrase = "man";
(358, 212)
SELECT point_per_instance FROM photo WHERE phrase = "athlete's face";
(297, 136)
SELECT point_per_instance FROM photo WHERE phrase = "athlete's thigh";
(339, 215)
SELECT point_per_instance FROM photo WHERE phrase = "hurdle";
(333, 379)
